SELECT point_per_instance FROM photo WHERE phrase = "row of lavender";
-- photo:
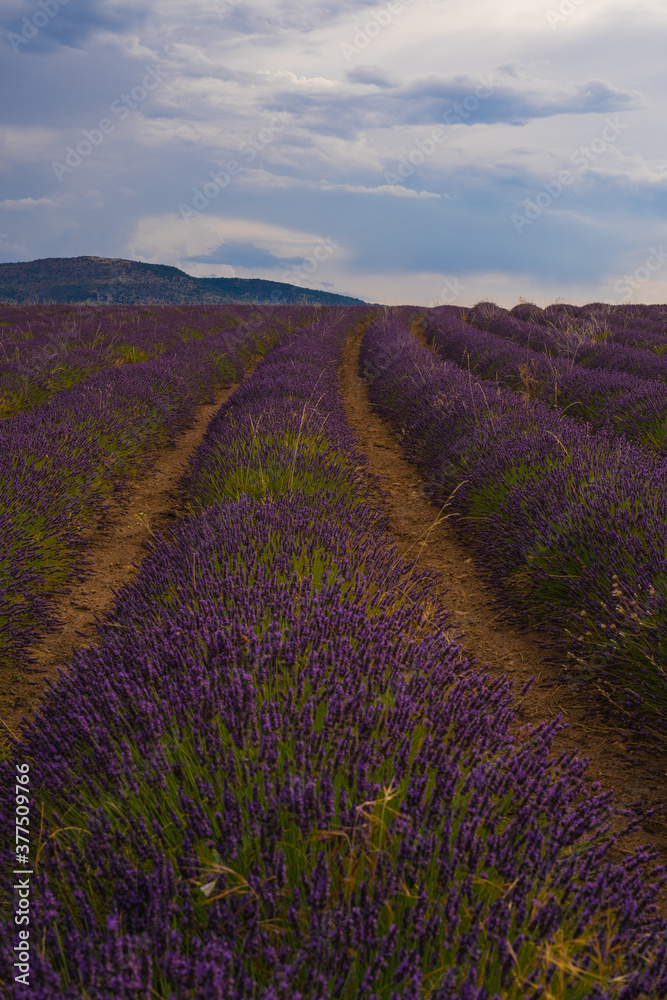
(630, 405)
(592, 354)
(570, 524)
(277, 777)
(26, 330)
(62, 462)
(633, 325)
(50, 348)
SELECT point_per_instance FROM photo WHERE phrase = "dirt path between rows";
(486, 637)
(115, 551)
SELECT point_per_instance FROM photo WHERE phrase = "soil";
(421, 530)
(115, 551)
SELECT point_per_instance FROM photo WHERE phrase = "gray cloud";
(247, 255)
(31, 29)
(370, 75)
(504, 95)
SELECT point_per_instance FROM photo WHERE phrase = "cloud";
(25, 30)
(508, 94)
(21, 204)
(370, 75)
(287, 16)
(267, 180)
(239, 254)
(232, 65)
(215, 239)
(516, 96)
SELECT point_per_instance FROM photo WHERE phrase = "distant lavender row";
(633, 325)
(570, 524)
(277, 777)
(632, 406)
(151, 328)
(48, 349)
(61, 462)
(605, 354)
(619, 315)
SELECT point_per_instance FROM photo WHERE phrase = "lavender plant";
(585, 350)
(46, 350)
(62, 462)
(633, 325)
(569, 524)
(275, 775)
(635, 407)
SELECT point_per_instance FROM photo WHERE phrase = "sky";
(411, 152)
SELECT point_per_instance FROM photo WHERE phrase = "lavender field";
(275, 772)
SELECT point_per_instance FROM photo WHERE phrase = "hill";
(93, 280)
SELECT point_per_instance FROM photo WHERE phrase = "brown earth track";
(116, 549)
(421, 530)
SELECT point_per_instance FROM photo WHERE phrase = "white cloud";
(23, 143)
(157, 238)
(25, 204)
(310, 82)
